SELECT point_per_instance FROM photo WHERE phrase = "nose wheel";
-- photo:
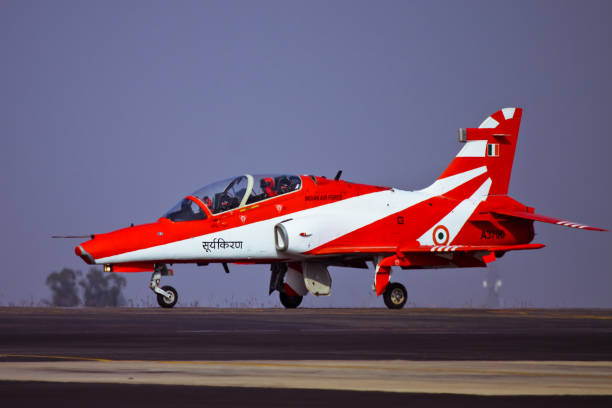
(395, 296)
(167, 296)
(170, 300)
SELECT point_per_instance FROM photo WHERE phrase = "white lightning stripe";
(456, 219)
(508, 113)
(444, 185)
(489, 123)
(473, 148)
(328, 222)
(334, 220)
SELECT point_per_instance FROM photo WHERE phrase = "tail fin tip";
(493, 145)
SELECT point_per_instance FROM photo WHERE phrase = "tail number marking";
(492, 234)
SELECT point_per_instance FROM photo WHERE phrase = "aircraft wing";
(543, 218)
(422, 249)
(470, 248)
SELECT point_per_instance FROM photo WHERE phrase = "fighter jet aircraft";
(303, 224)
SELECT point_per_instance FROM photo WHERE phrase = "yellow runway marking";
(102, 360)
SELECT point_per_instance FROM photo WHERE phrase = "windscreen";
(185, 210)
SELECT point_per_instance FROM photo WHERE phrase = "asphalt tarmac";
(79, 395)
(305, 334)
(500, 348)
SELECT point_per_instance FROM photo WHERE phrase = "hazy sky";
(111, 111)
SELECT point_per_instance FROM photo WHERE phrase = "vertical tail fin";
(492, 144)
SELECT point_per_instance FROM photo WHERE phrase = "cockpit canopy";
(233, 193)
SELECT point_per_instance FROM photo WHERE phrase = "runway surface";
(416, 356)
(306, 334)
(79, 395)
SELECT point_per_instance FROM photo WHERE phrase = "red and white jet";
(302, 224)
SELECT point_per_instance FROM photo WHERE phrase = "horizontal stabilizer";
(543, 218)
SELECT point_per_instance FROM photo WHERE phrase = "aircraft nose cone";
(79, 251)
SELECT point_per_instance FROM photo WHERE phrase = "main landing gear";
(290, 302)
(288, 297)
(395, 295)
(167, 296)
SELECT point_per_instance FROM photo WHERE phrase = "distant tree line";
(99, 289)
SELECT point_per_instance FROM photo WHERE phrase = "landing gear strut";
(167, 296)
(277, 276)
(395, 296)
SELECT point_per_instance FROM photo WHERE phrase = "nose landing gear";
(170, 300)
(167, 296)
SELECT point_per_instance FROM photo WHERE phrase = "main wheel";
(170, 301)
(290, 302)
(395, 296)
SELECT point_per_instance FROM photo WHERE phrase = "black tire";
(290, 302)
(395, 296)
(168, 303)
